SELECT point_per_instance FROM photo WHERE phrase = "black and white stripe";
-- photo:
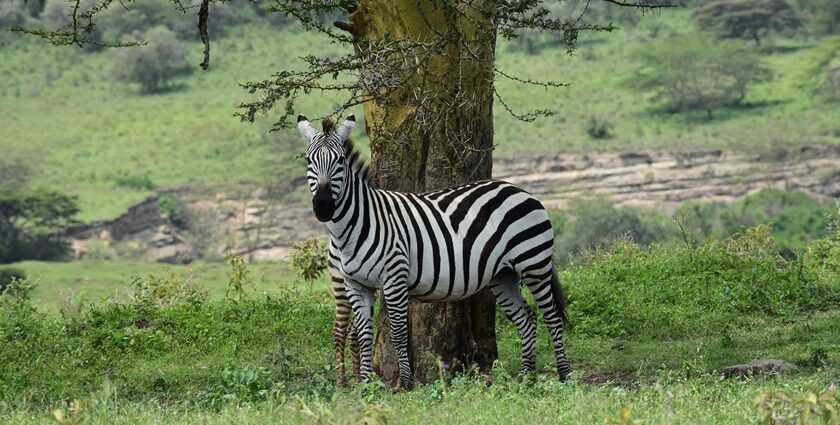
(440, 246)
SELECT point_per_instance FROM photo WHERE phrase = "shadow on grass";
(700, 117)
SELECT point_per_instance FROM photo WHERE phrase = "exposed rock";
(667, 179)
(143, 223)
(756, 367)
(262, 228)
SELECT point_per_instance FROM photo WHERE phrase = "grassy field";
(102, 281)
(80, 131)
(653, 329)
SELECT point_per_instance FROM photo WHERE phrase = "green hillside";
(66, 118)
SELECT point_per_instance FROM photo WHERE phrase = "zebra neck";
(354, 215)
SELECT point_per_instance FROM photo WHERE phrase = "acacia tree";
(750, 19)
(423, 71)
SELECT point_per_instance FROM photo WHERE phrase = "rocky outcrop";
(758, 367)
(142, 224)
(262, 228)
(667, 179)
(257, 228)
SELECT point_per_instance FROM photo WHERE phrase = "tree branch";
(203, 13)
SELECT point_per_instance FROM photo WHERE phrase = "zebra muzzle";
(323, 204)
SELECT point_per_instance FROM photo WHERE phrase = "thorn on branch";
(203, 13)
(345, 26)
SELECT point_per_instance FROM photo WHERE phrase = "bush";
(155, 65)
(175, 210)
(309, 259)
(8, 275)
(599, 126)
(597, 221)
(28, 222)
(794, 217)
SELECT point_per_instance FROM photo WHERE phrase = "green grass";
(99, 281)
(84, 133)
(268, 358)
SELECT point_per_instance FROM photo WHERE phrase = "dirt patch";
(610, 379)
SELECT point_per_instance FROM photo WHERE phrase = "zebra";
(438, 246)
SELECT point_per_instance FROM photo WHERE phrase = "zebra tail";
(559, 297)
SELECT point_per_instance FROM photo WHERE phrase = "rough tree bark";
(446, 141)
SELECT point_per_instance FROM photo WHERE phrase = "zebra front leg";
(342, 321)
(362, 299)
(396, 295)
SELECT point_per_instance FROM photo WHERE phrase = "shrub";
(599, 126)
(8, 275)
(135, 182)
(156, 290)
(175, 210)
(309, 259)
(28, 221)
(795, 218)
(599, 220)
(155, 65)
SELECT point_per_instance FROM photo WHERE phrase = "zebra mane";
(353, 156)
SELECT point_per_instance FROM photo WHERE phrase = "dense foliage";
(28, 220)
(155, 65)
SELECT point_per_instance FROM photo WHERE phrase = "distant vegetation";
(695, 71)
(153, 65)
(749, 19)
(28, 219)
(793, 220)
(98, 138)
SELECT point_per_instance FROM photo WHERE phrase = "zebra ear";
(306, 129)
(346, 128)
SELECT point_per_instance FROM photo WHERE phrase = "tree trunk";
(442, 140)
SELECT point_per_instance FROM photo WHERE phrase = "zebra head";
(326, 163)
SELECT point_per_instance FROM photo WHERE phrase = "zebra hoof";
(402, 385)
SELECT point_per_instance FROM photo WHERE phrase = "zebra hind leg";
(545, 286)
(354, 352)
(509, 297)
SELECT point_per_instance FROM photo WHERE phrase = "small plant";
(175, 210)
(599, 126)
(9, 275)
(782, 408)
(309, 259)
(166, 290)
(18, 289)
(243, 385)
(239, 278)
